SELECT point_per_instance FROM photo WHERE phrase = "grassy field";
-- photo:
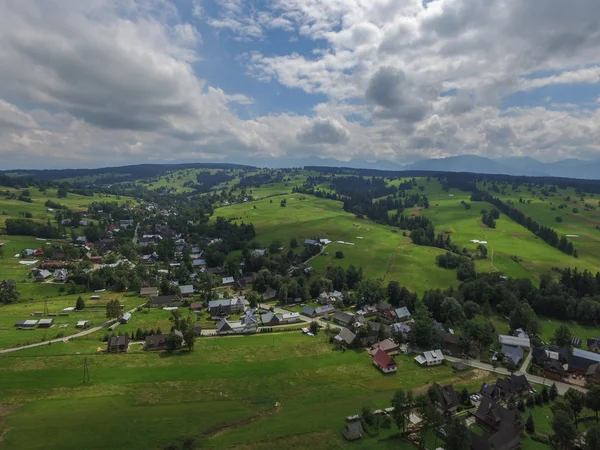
(382, 251)
(545, 210)
(95, 312)
(79, 203)
(507, 240)
(224, 394)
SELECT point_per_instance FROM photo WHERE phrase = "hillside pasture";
(383, 252)
(545, 210)
(12, 208)
(512, 249)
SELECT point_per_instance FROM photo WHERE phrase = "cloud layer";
(101, 83)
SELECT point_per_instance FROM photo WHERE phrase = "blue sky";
(88, 83)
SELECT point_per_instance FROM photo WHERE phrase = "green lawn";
(223, 393)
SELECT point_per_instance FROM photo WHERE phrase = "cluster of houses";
(557, 363)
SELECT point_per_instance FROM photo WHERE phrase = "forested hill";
(122, 173)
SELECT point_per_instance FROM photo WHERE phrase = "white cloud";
(96, 83)
(323, 131)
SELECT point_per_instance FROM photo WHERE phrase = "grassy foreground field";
(382, 251)
(224, 394)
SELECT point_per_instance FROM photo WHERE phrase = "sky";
(99, 83)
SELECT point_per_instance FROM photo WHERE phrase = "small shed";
(354, 431)
(125, 318)
(83, 324)
(45, 323)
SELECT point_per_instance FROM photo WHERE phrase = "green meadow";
(382, 251)
(512, 249)
(575, 220)
(253, 392)
(75, 202)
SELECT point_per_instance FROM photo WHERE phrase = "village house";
(309, 311)
(514, 354)
(430, 358)
(401, 329)
(258, 253)
(514, 385)
(345, 337)
(196, 307)
(515, 341)
(402, 314)
(226, 281)
(187, 290)
(42, 275)
(451, 343)
(149, 292)
(269, 319)
(581, 360)
(225, 307)
(502, 427)
(384, 362)
(163, 301)
(343, 318)
(447, 400)
(247, 325)
(554, 370)
(387, 345)
(117, 344)
(156, 342)
(60, 275)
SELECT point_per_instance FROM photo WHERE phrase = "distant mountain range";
(516, 166)
(568, 168)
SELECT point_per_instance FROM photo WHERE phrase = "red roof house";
(39, 252)
(384, 362)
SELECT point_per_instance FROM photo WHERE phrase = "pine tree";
(553, 392)
(530, 425)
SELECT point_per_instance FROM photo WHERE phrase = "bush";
(339, 254)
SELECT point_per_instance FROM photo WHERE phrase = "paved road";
(66, 338)
(135, 234)
(562, 387)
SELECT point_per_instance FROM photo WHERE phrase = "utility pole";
(86, 373)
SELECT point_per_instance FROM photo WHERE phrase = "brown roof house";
(162, 301)
(118, 344)
(502, 427)
(447, 400)
(387, 345)
(156, 342)
(343, 318)
(149, 292)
